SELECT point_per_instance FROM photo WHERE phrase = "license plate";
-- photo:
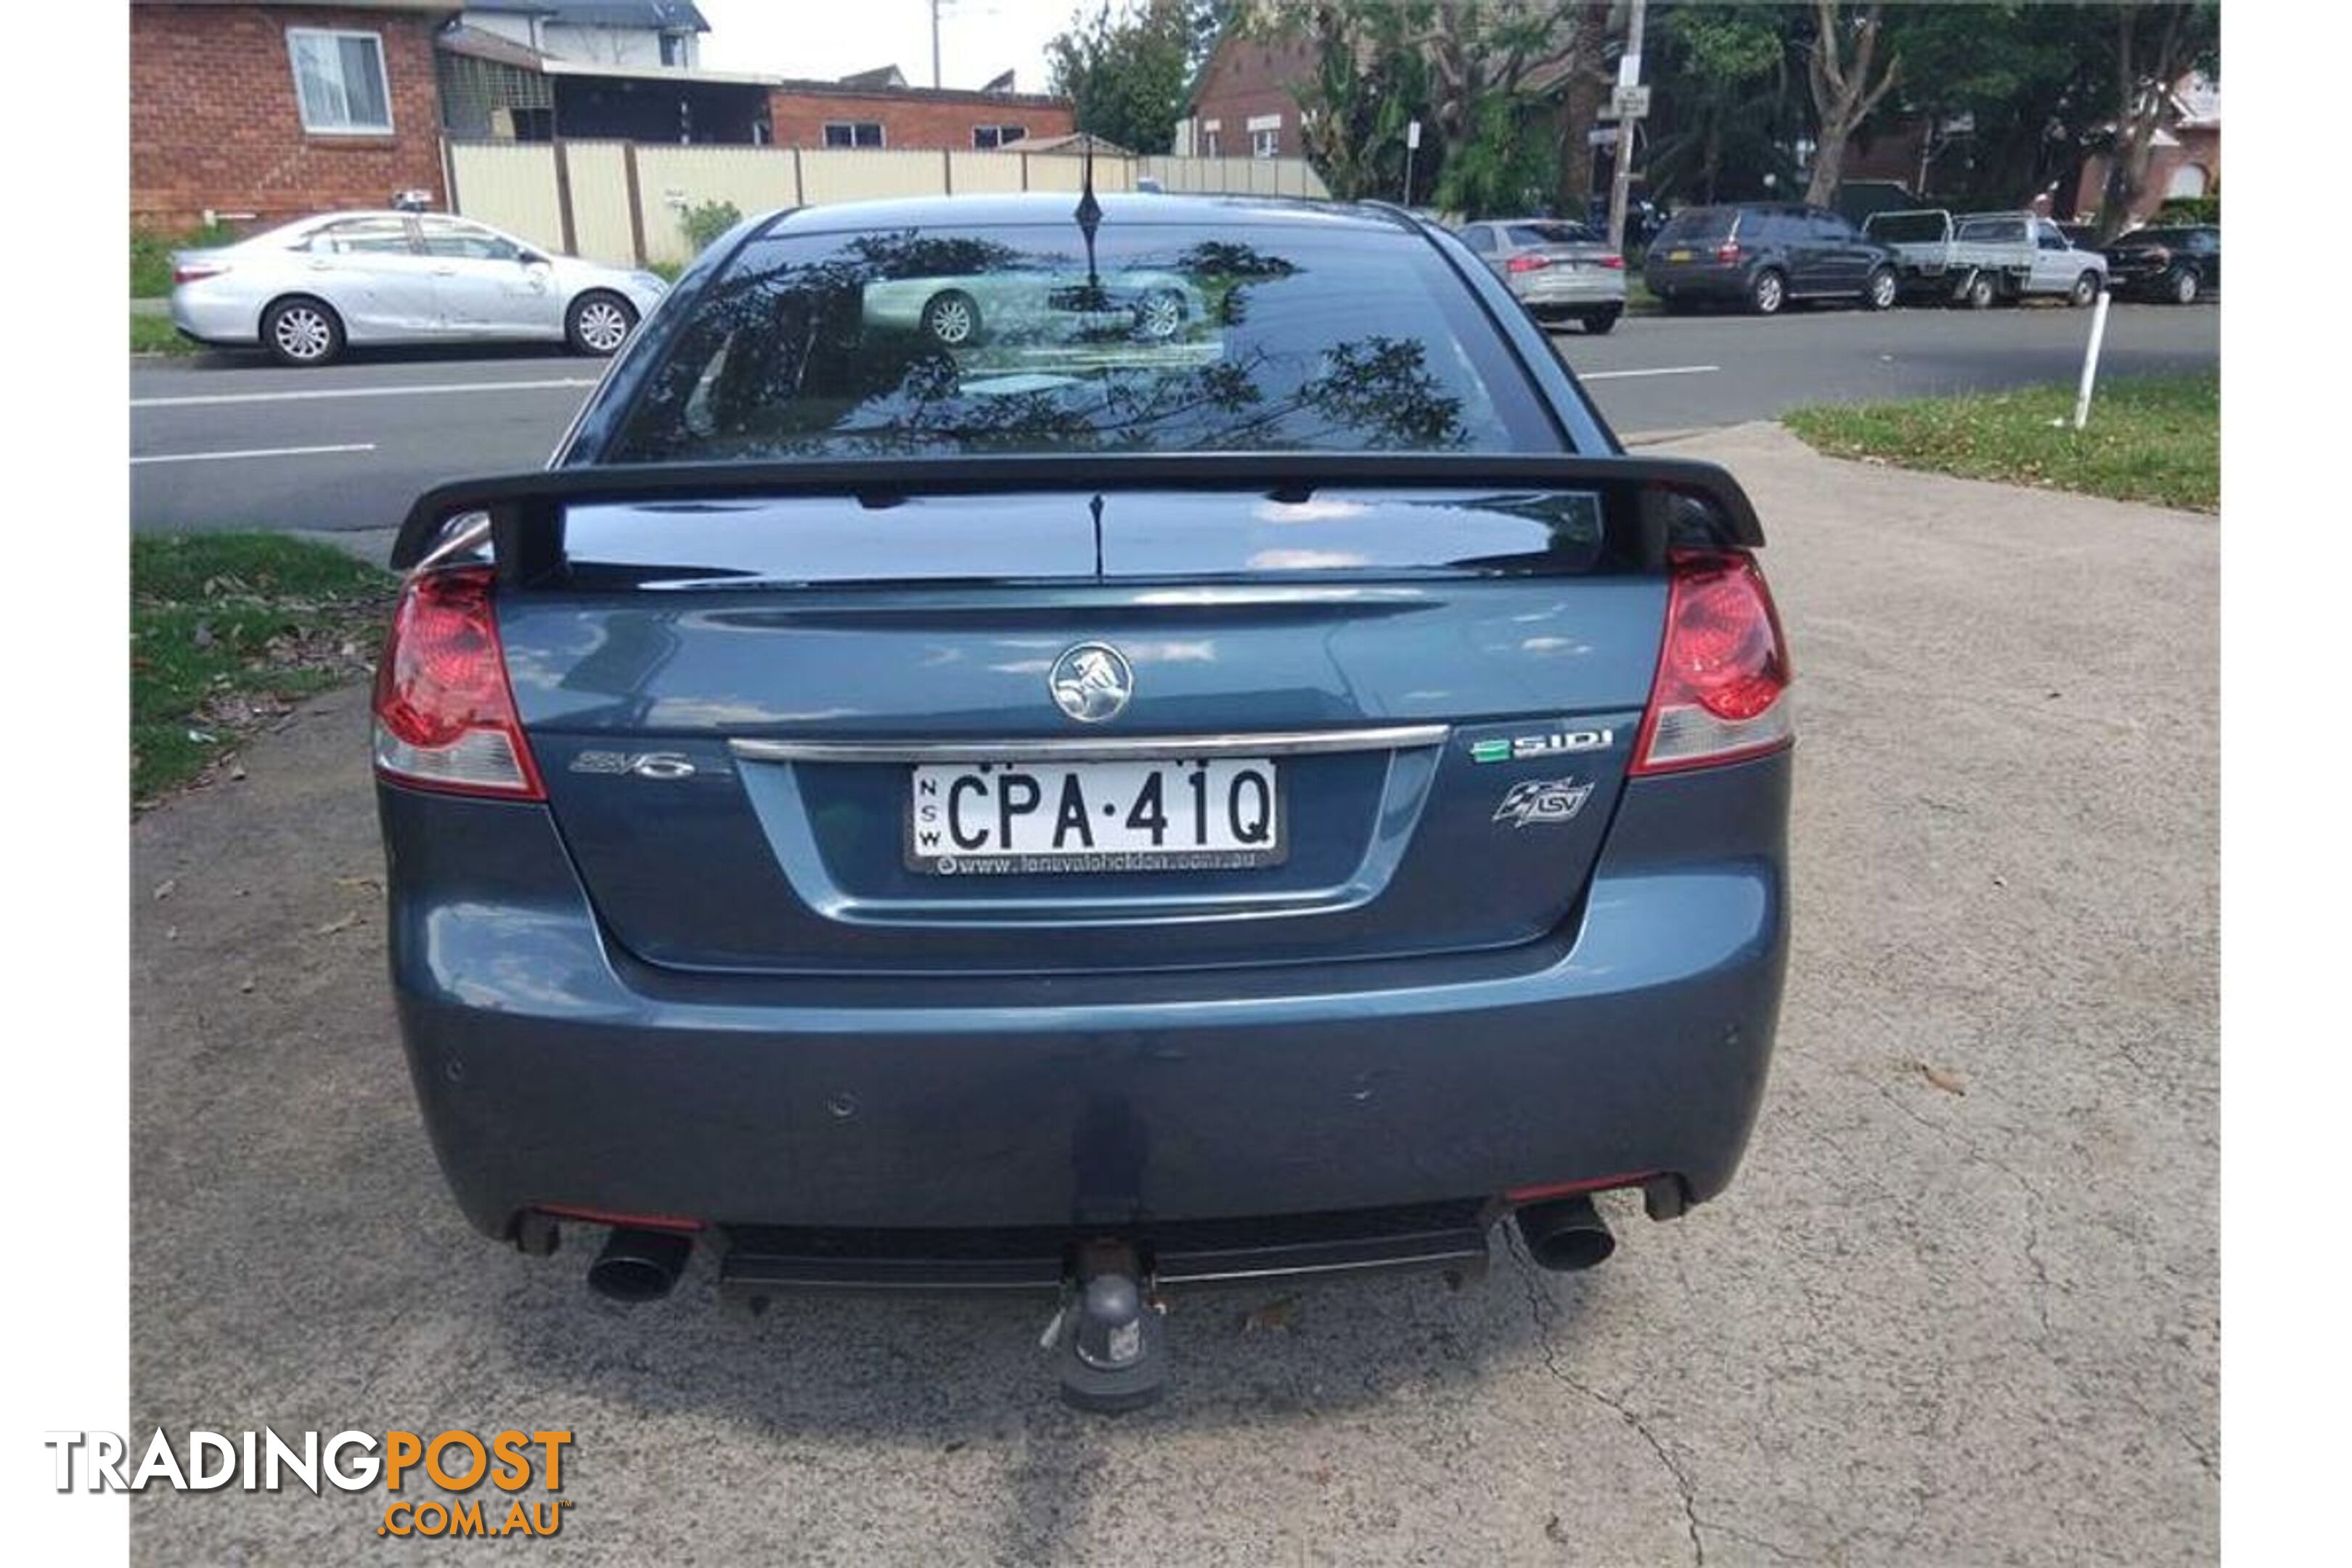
(1679, 255)
(1026, 818)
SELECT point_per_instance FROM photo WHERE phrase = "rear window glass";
(1551, 233)
(1700, 226)
(937, 342)
(1992, 230)
(1907, 229)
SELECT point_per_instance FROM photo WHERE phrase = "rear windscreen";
(1992, 230)
(1907, 229)
(1701, 226)
(1551, 233)
(1041, 338)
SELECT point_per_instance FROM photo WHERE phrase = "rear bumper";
(553, 1069)
(1596, 290)
(1697, 283)
(226, 322)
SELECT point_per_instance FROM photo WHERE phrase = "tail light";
(1529, 263)
(1613, 262)
(1721, 691)
(196, 271)
(1728, 252)
(445, 716)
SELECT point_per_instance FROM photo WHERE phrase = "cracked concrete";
(1926, 1325)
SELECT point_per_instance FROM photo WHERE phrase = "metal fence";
(625, 202)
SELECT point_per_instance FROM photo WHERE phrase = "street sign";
(1413, 134)
(1630, 102)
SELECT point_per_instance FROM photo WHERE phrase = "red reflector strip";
(1550, 1190)
(620, 1221)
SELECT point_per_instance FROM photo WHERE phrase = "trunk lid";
(730, 699)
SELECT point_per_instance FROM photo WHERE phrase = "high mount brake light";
(1721, 690)
(445, 716)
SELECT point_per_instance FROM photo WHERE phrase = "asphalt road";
(1961, 1305)
(227, 442)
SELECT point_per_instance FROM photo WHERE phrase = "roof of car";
(1119, 209)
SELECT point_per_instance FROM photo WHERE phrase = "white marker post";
(2091, 359)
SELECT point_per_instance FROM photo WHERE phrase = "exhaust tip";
(1565, 1236)
(639, 1265)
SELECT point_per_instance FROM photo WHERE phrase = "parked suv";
(1763, 255)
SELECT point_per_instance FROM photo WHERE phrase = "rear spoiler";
(1654, 504)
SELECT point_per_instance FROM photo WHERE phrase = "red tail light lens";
(197, 272)
(1727, 251)
(1528, 263)
(1723, 670)
(445, 716)
(1613, 262)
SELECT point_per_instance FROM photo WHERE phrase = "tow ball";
(1107, 1337)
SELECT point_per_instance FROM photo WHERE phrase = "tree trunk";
(2141, 91)
(1586, 90)
(1844, 94)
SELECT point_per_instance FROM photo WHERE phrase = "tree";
(1582, 92)
(1845, 50)
(1726, 113)
(1367, 82)
(1125, 71)
(2154, 46)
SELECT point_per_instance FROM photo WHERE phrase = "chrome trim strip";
(1095, 748)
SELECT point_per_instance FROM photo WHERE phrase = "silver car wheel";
(1767, 294)
(950, 319)
(2184, 287)
(1162, 312)
(603, 326)
(1881, 290)
(302, 333)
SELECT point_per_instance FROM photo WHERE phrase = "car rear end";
(1270, 800)
(2144, 264)
(1699, 256)
(1557, 269)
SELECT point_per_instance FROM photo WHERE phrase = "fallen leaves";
(1277, 1316)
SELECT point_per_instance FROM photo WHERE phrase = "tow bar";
(1107, 1336)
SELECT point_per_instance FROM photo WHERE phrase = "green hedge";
(151, 257)
(2190, 209)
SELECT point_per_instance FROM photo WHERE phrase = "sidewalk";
(1961, 1305)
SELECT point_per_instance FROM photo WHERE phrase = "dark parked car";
(1763, 255)
(2180, 265)
(1082, 809)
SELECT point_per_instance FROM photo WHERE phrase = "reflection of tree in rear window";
(1027, 339)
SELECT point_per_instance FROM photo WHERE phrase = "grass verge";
(151, 257)
(2153, 438)
(151, 335)
(227, 631)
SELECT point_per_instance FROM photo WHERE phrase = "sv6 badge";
(1541, 801)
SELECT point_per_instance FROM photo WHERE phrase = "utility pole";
(935, 45)
(1620, 178)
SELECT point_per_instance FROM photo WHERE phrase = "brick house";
(254, 110)
(839, 114)
(1244, 104)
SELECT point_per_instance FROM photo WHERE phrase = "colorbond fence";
(623, 201)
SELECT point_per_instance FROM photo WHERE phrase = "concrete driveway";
(1961, 1306)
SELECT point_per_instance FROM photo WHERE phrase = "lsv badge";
(1542, 801)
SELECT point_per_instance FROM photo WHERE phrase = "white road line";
(1662, 370)
(217, 398)
(254, 452)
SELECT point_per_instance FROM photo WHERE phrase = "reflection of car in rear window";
(1031, 338)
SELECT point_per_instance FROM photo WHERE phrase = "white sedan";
(306, 289)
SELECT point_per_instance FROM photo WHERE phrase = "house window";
(987, 136)
(339, 79)
(673, 49)
(1209, 144)
(852, 133)
(1267, 144)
